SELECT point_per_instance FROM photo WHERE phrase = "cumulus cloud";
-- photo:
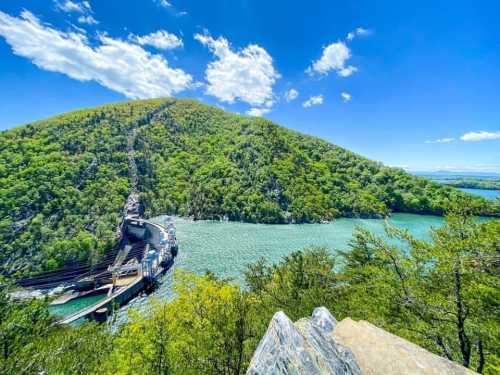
(480, 136)
(313, 100)
(116, 64)
(441, 140)
(258, 111)
(291, 94)
(88, 19)
(247, 75)
(358, 32)
(345, 96)
(164, 3)
(69, 6)
(83, 8)
(160, 39)
(334, 57)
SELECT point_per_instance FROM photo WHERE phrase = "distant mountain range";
(447, 174)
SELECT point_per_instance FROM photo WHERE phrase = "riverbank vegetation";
(442, 294)
(64, 181)
(468, 183)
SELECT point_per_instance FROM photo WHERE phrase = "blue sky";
(411, 84)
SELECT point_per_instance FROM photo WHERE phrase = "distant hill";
(467, 180)
(64, 181)
(450, 174)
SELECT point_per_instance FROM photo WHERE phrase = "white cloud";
(82, 7)
(441, 140)
(247, 75)
(291, 94)
(480, 136)
(335, 58)
(345, 96)
(358, 32)
(88, 19)
(164, 3)
(258, 111)
(73, 6)
(347, 71)
(160, 39)
(313, 100)
(116, 64)
(362, 32)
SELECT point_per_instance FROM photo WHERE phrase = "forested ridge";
(63, 181)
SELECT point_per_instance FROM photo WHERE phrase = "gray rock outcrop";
(320, 345)
(380, 352)
(305, 347)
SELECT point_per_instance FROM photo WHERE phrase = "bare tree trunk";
(465, 347)
(446, 351)
(480, 365)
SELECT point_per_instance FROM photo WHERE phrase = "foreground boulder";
(380, 352)
(305, 347)
(320, 345)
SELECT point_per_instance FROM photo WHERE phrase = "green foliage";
(21, 323)
(69, 350)
(201, 161)
(206, 330)
(299, 283)
(31, 344)
(444, 294)
(487, 183)
(64, 181)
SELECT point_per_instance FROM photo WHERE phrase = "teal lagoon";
(74, 305)
(488, 194)
(226, 248)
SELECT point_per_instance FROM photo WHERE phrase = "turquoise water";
(489, 194)
(74, 305)
(225, 248)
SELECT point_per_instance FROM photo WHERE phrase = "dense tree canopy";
(63, 184)
(442, 294)
(64, 181)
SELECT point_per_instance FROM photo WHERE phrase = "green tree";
(442, 294)
(302, 281)
(207, 329)
(21, 323)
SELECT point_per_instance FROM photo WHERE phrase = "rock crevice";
(321, 345)
(304, 347)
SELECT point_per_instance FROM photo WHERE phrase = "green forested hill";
(63, 181)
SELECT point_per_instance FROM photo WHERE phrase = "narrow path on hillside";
(133, 205)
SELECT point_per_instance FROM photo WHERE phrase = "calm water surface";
(225, 248)
(489, 194)
(75, 305)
